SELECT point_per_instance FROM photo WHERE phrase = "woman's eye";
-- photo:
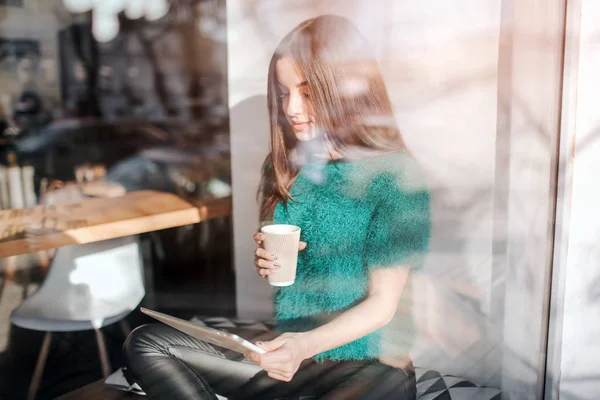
(282, 95)
(306, 95)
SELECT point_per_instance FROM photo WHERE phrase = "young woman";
(339, 170)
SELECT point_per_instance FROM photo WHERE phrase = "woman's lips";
(299, 126)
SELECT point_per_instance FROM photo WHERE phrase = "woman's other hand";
(265, 262)
(283, 356)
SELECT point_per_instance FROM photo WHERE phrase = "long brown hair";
(348, 94)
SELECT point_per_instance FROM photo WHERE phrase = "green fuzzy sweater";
(355, 216)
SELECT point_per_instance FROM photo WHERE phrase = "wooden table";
(30, 230)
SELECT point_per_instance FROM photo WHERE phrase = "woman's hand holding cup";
(266, 263)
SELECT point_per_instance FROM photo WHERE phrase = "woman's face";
(295, 99)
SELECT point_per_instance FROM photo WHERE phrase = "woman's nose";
(295, 105)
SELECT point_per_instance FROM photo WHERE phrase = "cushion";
(431, 385)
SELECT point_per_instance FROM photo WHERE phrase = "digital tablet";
(210, 335)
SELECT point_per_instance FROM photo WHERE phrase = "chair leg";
(125, 328)
(11, 268)
(27, 282)
(2, 285)
(102, 352)
(39, 367)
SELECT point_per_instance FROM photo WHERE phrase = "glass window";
(177, 129)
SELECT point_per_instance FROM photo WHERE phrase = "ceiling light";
(134, 9)
(156, 9)
(78, 6)
(105, 27)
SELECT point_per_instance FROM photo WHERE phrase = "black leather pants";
(168, 364)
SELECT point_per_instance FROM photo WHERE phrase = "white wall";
(575, 348)
(440, 62)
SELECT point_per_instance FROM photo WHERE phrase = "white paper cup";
(282, 240)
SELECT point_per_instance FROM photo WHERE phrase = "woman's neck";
(334, 154)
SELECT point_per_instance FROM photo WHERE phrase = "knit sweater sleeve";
(400, 227)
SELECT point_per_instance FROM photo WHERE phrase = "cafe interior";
(115, 184)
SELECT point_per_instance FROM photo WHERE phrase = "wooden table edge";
(199, 210)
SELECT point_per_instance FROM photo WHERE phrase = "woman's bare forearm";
(360, 320)
(374, 312)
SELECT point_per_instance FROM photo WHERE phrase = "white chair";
(88, 286)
